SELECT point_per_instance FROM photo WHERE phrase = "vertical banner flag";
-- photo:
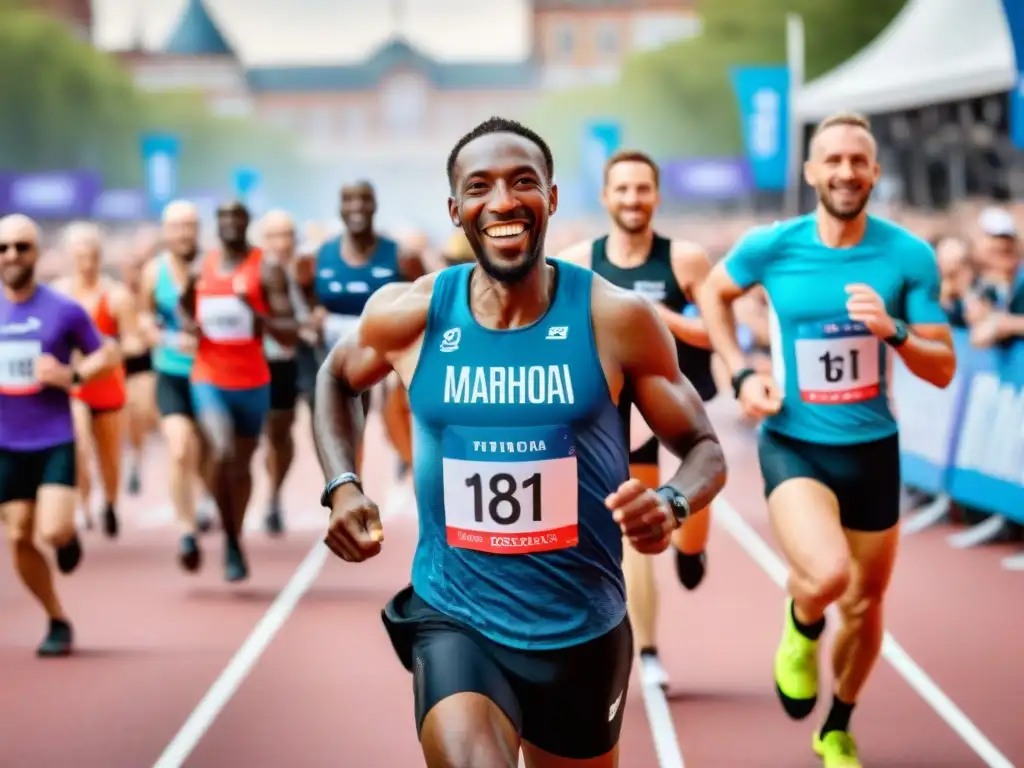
(601, 138)
(245, 181)
(1014, 10)
(763, 97)
(160, 160)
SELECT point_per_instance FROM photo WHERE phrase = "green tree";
(677, 101)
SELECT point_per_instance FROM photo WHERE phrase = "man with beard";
(163, 279)
(40, 329)
(516, 616)
(669, 273)
(843, 287)
(233, 296)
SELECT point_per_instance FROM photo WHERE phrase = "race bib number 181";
(837, 363)
(510, 491)
(18, 367)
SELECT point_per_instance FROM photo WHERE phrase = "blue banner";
(762, 94)
(51, 194)
(160, 156)
(706, 178)
(1014, 11)
(968, 439)
(245, 181)
(601, 139)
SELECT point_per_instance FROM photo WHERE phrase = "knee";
(829, 580)
(19, 533)
(861, 604)
(57, 532)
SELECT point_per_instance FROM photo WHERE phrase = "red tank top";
(107, 392)
(230, 353)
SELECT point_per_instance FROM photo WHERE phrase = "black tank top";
(655, 280)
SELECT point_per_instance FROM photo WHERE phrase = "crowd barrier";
(967, 441)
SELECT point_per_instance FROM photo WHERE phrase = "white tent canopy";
(933, 51)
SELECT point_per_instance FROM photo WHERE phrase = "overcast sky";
(330, 31)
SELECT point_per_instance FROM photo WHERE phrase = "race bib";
(510, 491)
(337, 327)
(837, 363)
(18, 367)
(226, 319)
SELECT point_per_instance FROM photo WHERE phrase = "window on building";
(565, 40)
(405, 103)
(608, 40)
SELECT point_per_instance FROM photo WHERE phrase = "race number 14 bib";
(225, 319)
(510, 491)
(837, 363)
(18, 367)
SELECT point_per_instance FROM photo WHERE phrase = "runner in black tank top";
(669, 273)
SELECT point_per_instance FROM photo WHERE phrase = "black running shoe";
(110, 523)
(274, 521)
(189, 555)
(235, 567)
(690, 569)
(69, 555)
(58, 641)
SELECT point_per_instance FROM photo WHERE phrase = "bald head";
(277, 229)
(19, 249)
(180, 229)
(180, 210)
(83, 242)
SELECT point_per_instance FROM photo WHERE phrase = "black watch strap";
(76, 379)
(899, 338)
(676, 501)
(334, 483)
(737, 380)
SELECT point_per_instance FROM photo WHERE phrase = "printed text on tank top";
(225, 318)
(837, 362)
(18, 357)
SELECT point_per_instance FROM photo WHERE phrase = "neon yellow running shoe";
(796, 669)
(837, 750)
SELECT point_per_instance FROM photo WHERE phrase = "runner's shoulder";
(578, 253)
(912, 250)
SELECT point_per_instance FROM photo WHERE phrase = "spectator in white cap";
(995, 308)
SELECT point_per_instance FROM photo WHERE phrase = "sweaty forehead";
(18, 228)
(495, 154)
(844, 140)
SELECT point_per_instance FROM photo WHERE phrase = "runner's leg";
(82, 418)
(107, 432)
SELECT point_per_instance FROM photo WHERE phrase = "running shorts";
(138, 364)
(284, 385)
(567, 701)
(247, 408)
(23, 472)
(174, 395)
(865, 477)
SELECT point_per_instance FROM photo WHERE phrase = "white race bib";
(18, 367)
(337, 327)
(226, 319)
(837, 363)
(510, 491)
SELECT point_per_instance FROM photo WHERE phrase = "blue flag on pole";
(601, 138)
(245, 181)
(160, 157)
(763, 97)
(1014, 10)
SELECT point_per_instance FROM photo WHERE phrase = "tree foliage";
(67, 106)
(677, 101)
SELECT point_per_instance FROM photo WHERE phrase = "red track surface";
(328, 690)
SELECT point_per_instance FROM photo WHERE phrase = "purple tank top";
(33, 417)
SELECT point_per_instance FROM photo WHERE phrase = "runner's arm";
(124, 308)
(729, 279)
(147, 306)
(410, 265)
(394, 319)
(99, 355)
(665, 398)
(928, 351)
(280, 322)
(690, 267)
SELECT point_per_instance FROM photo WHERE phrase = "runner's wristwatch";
(678, 503)
(899, 337)
(332, 485)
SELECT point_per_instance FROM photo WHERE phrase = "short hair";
(853, 119)
(83, 230)
(632, 156)
(500, 125)
(359, 184)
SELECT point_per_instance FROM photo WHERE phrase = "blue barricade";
(968, 439)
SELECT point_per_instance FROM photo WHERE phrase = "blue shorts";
(247, 408)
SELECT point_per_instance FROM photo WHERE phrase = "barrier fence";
(967, 441)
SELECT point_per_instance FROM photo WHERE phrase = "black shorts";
(568, 701)
(648, 452)
(174, 396)
(284, 385)
(138, 364)
(22, 472)
(865, 477)
(308, 359)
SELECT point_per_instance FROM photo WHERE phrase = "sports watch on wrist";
(332, 485)
(677, 502)
(899, 337)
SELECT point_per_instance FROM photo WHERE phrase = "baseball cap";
(996, 222)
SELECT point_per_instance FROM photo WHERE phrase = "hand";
(187, 343)
(50, 372)
(989, 331)
(643, 516)
(760, 396)
(317, 318)
(975, 310)
(864, 305)
(354, 532)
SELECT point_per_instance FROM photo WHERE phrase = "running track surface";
(160, 679)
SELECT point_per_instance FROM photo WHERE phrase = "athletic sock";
(810, 631)
(838, 716)
(648, 651)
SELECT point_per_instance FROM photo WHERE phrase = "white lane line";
(659, 717)
(762, 554)
(225, 686)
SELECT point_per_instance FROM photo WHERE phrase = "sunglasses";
(19, 247)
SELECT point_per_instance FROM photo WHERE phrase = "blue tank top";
(167, 358)
(343, 289)
(516, 445)
(832, 371)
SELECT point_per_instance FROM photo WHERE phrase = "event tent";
(933, 51)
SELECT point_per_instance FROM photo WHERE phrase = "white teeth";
(505, 230)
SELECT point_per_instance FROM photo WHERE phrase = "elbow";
(721, 467)
(944, 373)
